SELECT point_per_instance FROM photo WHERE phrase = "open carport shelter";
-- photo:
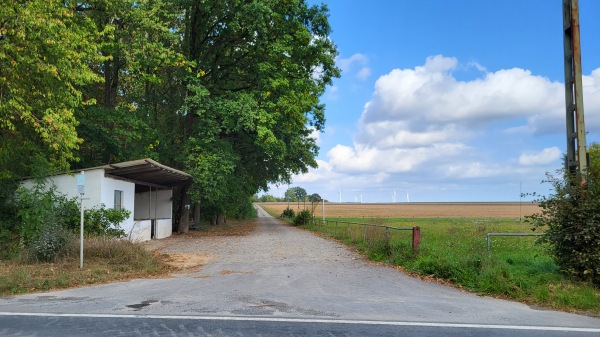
(144, 187)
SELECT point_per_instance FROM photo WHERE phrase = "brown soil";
(187, 260)
(416, 210)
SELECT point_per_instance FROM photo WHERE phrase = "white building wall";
(164, 228)
(67, 184)
(141, 231)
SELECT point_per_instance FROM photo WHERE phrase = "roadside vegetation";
(454, 251)
(106, 259)
(39, 236)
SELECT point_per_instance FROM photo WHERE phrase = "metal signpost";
(81, 190)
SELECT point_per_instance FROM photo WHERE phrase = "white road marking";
(305, 320)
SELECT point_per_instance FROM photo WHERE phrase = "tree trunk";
(184, 222)
(213, 219)
(221, 219)
(197, 215)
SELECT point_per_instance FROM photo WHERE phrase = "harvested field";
(415, 209)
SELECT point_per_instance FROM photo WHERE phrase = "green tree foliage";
(296, 193)
(315, 197)
(571, 220)
(40, 206)
(594, 156)
(44, 56)
(260, 69)
(267, 198)
(103, 221)
(142, 72)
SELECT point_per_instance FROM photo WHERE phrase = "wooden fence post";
(416, 239)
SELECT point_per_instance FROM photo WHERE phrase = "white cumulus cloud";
(546, 156)
(430, 100)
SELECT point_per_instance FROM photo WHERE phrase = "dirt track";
(416, 210)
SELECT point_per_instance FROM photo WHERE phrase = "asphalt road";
(279, 281)
(135, 325)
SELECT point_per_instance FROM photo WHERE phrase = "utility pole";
(576, 161)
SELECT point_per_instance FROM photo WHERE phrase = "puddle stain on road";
(143, 304)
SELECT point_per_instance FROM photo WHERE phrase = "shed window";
(118, 200)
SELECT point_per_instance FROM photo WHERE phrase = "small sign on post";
(81, 190)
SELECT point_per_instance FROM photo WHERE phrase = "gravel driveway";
(282, 271)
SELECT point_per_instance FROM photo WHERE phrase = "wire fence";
(369, 233)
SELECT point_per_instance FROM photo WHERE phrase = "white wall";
(67, 185)
(140, 231)
(164, 228)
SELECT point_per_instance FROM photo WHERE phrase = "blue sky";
(448, 100)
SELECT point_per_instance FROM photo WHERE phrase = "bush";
(302, 218)
(571, 218)
(103, 221)
(38, 207)
(51, 242)
(38, 222)
(288, 213)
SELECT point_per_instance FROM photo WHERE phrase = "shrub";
(571, 218)
(38, 207)
(103, 221)
(288, 213)
(51, 242)
(302, 218)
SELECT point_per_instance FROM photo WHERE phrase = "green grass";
(455, 250)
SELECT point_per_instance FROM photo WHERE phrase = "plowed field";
(417, 210)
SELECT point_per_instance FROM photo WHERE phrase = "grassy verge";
(455, 250)
(105, 260)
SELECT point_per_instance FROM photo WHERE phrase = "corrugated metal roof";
(147, 172)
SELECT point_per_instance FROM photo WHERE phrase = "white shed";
(144, 187)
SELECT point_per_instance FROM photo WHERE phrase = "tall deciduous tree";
(45, 50)
(261, 66)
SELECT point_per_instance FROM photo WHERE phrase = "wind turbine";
(340, 190)
(404, 189)
(394, 196)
